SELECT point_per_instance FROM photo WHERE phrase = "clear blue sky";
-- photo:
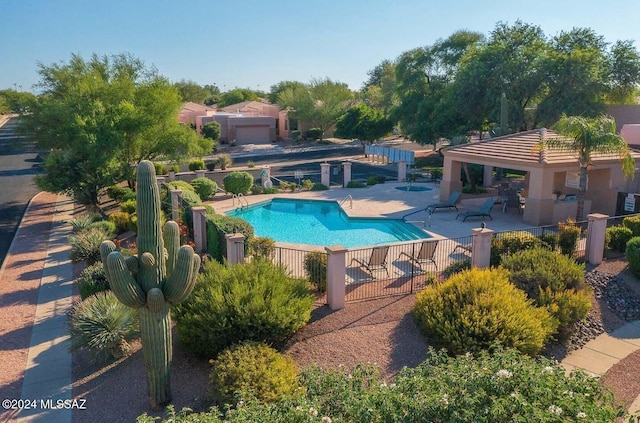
(257, 43)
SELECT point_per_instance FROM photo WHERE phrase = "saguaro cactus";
(151, 281)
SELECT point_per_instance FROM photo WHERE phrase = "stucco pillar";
(325, 174)
(450, 178)
(596, 233)
(235, 248)
(172, 175)
(175, 204)
(336, 267)
(402, 171)
(481, 247)
(539, 203)
(160, 180)
(200, 173)
(346, 166)
(487, 179)
(199, 228)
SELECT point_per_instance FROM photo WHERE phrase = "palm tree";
(588, 136)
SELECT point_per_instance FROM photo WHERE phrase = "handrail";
(414, 212)
(348, 197)
(240, 197)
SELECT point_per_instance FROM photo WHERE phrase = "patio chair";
(484, 211)
(377, 261)
(425, 255)
(448, 204)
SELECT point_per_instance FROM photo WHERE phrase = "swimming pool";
(317, 222)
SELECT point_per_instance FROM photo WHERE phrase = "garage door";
(252, 134)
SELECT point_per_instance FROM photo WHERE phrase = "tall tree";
(237, 95)
(99, 118)
(624, 73)
(278, 88)
(363, 123)
(589, 136)
(318, 104)
(379, 90)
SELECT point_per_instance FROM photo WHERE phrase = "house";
(551, 175)
(190, 111)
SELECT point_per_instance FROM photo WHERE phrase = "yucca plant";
(85, 245)
(83, 221)
(102, 325)
(92, 280)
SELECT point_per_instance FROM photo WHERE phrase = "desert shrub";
(616, 238)
(355, 184)
(553, 281)
(224, 160)
(107, 225)
(211, 164)
(375, 179)
(121, 220)
(511, 242)
(287, 186)
(500, 386)
(92, 280)
(238, 182)
(632, 254)
(307, 184)
(568, 235)
(175, 168)
(256, 189)
(196, 165)
(477, 308)
(319, 187)
(256, 301)
(255, 369)
(314, 133)
(129, 206)
(218, 226)
(549, 241)
(456, 267)
(181, 185)
(161, 168)
(633, 223)
(251, 164)
(102, 325)
(85, 245)
(315, 267)
(83, 221)
(205, 187)
(262, 247)
(296, 135)
(120, 193)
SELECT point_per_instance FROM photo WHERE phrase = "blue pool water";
(322, 223)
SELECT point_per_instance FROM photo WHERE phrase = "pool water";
(324, 223)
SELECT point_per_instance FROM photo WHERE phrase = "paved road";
(18, 166)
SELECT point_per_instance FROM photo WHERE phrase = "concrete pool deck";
(384, 200)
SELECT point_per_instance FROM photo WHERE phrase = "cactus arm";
(132, 264)
(177, 285)
(106, 248)
(155, 300)
(171, 234)
(122, 283)
(191, 283)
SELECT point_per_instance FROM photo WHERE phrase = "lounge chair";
(448, 204)
(377, 261)
(484, 211)
(425, 255)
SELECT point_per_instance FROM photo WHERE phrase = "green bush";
(477, 308)
(568, 236)
(287, 186)
(181, 185)
(238, 182)
(262, 247)
(553, 281)
(120, 193)
(375, 179)
(252, 370)
(85, 245)
(174, 168)
(224, 160)
(319, 187)
(102, 325)
(218, 226)
(257, 301)
(456, 267)
(161, 168)
(121, 220)
(296, 135)
(205, 187)
(211, 164)
(633, 223)
(314, 133)
(251, 164)
(129, 206)
(616, 238)
(92, 280)
(511, 242)
(196, 165)
(549, 241)
(355, 184)
(632, 254)
(83, 222)
(315, 267)
(501, 386)
(107, 225)
(307, 184)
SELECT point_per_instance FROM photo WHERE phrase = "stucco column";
(402, 171)
(235, 248)
(200, 173)
(160, 181)
(199, 228)
(596, 233)
(172, 175)
(481, 247)
(346, 166)
(325, 174)
(336, 267)
(450, 178)
(487, 179)
(175, 204)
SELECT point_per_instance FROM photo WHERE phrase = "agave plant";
(83, 221)
(85, 245)
(102, 325)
